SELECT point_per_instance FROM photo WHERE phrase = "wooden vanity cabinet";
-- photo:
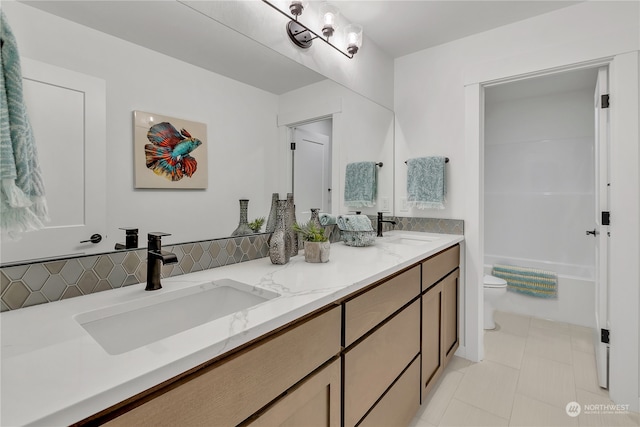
(440, 340)
(381, 375)
(239, 387)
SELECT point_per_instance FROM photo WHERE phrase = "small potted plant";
(256, 224)
(316, 244)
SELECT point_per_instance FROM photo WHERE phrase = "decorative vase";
(279, 250)
(317, 251)
(243, 226)
(271, 221)
(289, 221)
(315, 217)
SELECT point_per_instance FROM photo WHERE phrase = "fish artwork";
(168, 153)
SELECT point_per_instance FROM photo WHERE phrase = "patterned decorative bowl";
(358, 238)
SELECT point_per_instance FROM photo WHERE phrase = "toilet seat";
(494, 282)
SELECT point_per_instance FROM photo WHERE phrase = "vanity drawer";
(439, 265)
(371, 366)
(366, 311)
(400, 404)
(228, 393)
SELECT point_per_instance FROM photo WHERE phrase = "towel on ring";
(327, 219)
(22, 203)
(360, 184)
(425, 182)
(354, 223)
(528, 281)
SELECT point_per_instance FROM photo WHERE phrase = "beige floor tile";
(489, 386)
(435, 405)
(594, 412)
(458, 364)
(549, 325)
(547, 380)
(462, 414)
(418, 422)
(504, 348)
(584, 372)
(512, 323)
(534, 413)
(583, 342)
(549, 345)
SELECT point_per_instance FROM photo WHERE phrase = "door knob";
(95, 238)
(594, 232)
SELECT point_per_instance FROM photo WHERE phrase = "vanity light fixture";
(302, 36)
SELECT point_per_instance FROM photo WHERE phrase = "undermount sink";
(125, 327)
(411, 240)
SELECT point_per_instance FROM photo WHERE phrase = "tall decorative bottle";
(279, 249)
(315, 217)
(243, 225)
(289, 221)
(271, 221)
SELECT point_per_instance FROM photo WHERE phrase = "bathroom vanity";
(357, 341)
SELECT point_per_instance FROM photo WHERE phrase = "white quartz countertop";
(55, 373)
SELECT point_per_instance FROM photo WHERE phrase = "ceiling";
(398, 27)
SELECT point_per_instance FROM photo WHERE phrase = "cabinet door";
(400, 404)
(374, 364)
(450, 314)
(316, 402)
(432, 363)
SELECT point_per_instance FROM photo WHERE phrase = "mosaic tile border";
(42, 282)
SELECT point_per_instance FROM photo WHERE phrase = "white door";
(601, 230)
(67, 113)
(311, 173)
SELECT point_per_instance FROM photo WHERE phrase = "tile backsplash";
(35, 283)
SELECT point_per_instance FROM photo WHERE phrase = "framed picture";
(169, 152)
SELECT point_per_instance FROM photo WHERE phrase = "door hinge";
(293, 145)
(604, 101)
(604, 336)
(606, 218)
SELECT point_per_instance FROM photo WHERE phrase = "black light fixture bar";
(316, 35)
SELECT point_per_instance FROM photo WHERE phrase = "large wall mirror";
(107, 59)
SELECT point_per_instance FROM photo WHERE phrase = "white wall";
(240, 122)
(438, 106)
(362, 131)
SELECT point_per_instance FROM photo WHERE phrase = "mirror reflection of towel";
(360, 184)
(425, 182)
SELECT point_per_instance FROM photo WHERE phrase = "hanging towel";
(354, 223)
(360, 184)
(528, 281)
(22, 203)
(327, 219)
(425, 182)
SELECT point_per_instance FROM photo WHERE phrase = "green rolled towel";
(354, 223)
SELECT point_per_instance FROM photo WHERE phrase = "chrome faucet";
(156, 257)
(381, 221)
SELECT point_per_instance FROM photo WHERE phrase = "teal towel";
(360, 184)
(425, 182)
(528, 281)
(327, 219)
(354, 223)
(22, 203)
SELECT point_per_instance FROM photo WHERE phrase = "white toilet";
(494, 288)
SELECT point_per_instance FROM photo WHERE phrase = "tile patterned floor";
(532, 369)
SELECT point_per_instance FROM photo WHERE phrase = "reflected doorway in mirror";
(169, 152)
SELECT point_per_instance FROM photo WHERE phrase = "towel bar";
(446, 160)
(379, 164)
